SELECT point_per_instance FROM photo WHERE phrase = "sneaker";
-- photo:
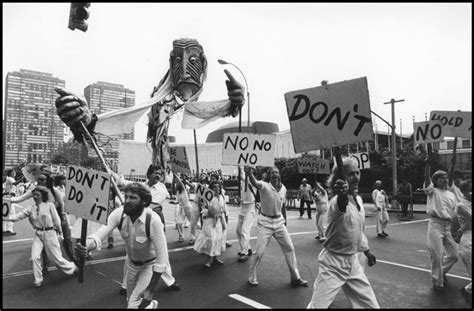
(191, 242)
(380, 235)
(110, 246)
(385, 234)
(250, 252)
(253, 282)
(310, 217)
(153, 305)
(208, 263)
(242, 258)
(9, 233)
(123, 291)
(217, 261)
(299, 282)
(175, 286)
(317, 238)
(438, 288)
(37, 285)
(227, 244)
(322, 240)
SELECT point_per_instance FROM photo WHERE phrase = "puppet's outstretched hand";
(235, 91)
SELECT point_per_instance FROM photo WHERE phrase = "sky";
(418, 52)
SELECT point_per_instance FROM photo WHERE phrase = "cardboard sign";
(179, 160)
(203, 192)
(455, 123)
(248, 149)
(6, 208)
(330, 115)
(32, 171)
(428, 131)
(362, 159)
(87, 193)
(313, 166)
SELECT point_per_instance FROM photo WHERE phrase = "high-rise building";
(104, 97)
(32, 130)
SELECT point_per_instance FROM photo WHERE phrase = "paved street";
(400, 278)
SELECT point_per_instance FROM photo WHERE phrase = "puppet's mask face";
(187, 67)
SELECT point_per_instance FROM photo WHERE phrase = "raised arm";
(24, 197)
(427, 172)
(253, 180)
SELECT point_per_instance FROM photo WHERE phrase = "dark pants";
(404, 206)
(308, 207)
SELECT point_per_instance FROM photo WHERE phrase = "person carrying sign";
(380, 199)
(9, 191)
(270, 223)
(212, 239)
(440, 205)
(47, 225)
(304, 195)
(245, 221)
(146, 249)
(183, 207)
(339, 265)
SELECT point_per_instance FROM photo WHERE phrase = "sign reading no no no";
(248, 149)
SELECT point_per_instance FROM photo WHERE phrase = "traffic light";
(78, 15)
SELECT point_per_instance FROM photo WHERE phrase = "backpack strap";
(121, 221)
(147, 224)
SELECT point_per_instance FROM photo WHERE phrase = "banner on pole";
(362, 159)
(87, 193)
(248, 149)
(179, 160)
(428, 131)
(455, 123)
(313, 165)
(330, 115)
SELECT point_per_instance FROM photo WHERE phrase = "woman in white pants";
(320, 197)
(440, 205)
(45, 221)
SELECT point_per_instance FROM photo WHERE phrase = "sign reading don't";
(330, 115)
(87, 193)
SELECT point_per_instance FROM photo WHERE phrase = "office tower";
(103, 97)
(32, 131)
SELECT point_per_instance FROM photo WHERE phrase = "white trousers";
(465, 252)
(166, 276)
(381, 221)
(49, 241)
(244, 225)
(137, 278)
(341, 271)
(443, 249)
(193, 218)
(322, 224)
(268, 228)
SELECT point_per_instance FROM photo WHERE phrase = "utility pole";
(394, 153)
(401, 138)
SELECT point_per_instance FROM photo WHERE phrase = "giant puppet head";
(188, 68)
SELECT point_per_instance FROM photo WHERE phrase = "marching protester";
(404, 192)
(320, 197)
(304, 195)
(196, 208)
(245, 220)
(159, 194)
(182, 208)
(271, 223)
(54, 196)
(146, 248)
(8, 192)
(45, 220)
(380, 199)
(464, 216)
(440, 205)
(339, 265)
(211, 240)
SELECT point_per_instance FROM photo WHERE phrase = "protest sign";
(179, 160)
(362, 159)
(203, 192)
(87, 193)
(248, 149)
(6, 207)
(455, 123)
(330, 115)
(313, 166)
(428, 131)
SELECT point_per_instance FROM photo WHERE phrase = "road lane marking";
(248, 301)
(420, 269)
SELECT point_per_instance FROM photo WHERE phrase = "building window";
(450, 144)
(466, 143)
(436, 146)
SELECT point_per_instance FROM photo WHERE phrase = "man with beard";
(147, 255)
